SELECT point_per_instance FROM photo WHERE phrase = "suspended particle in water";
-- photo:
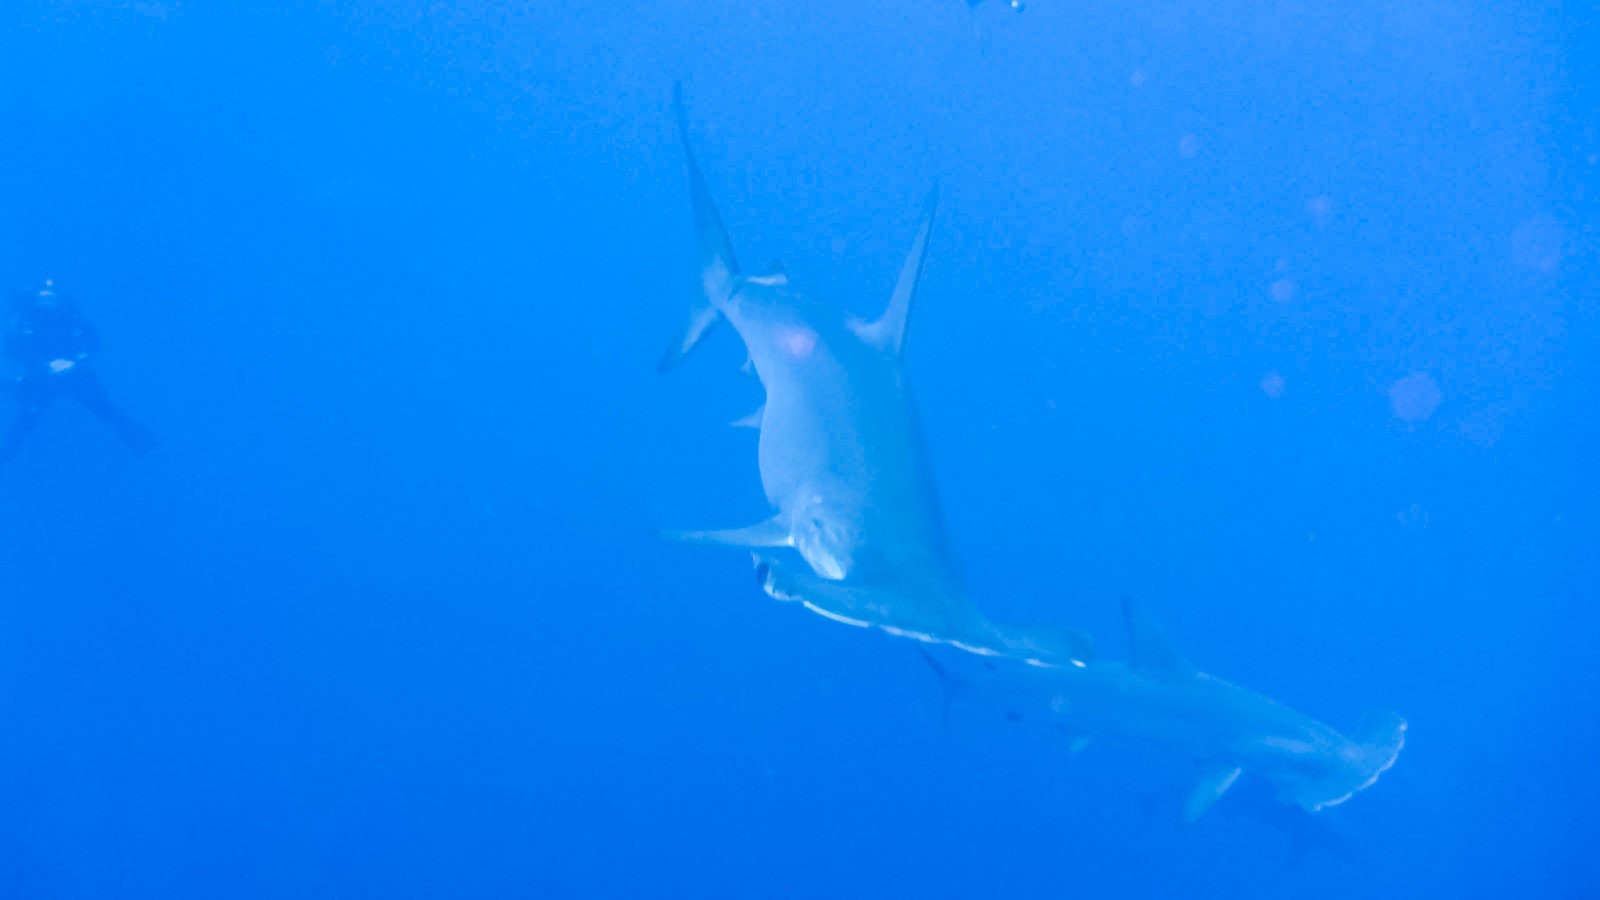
(1415, 397)
(1537, 244)
(1320, 209)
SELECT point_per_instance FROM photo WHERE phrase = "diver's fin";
(774, 532)
(1214, 781)
(719, 269)
(751, 421)
(1151, 648)
(889, 332)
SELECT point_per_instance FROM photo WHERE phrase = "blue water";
(1279, 318)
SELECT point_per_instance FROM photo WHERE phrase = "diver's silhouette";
(53, 345)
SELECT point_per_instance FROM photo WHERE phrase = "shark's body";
(841, 455)
(1228, 729)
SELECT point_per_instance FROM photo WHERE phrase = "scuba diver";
(52, 344)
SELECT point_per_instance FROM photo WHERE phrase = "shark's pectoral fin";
(950, 687)
(701, 318)
(1215, 779)
(889, 332)
(774, 532)
(751, 421)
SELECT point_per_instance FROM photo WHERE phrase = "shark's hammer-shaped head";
(1334, 774)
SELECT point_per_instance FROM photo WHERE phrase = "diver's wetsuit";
(51, 344)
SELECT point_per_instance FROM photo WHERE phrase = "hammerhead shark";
(840, 454)
(1159, 695)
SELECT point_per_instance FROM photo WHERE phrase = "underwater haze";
(1280, 318)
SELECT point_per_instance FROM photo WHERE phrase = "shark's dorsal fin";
(1215, 779)
(1152, 650)
(719, 270)
(889, 332)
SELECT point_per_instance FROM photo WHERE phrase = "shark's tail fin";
(719, 270)
(1373, 751)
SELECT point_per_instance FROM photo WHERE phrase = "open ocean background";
(1280, 317)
